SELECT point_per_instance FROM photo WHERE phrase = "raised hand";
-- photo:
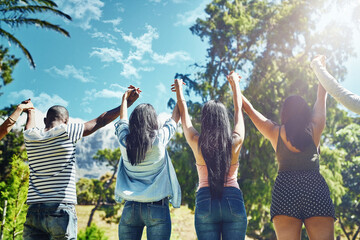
(132, 94)
(233, 77)
(26, 105)
(177, 85)
(320, 58)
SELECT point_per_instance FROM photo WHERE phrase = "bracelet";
(12, 119)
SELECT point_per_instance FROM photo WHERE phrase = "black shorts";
(301, 194)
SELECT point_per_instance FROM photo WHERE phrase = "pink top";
(231, 179)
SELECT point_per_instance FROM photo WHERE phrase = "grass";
(182, 223)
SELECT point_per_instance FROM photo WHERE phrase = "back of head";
(296, 117)
(142, 125)
(215, 142)
(57, 113)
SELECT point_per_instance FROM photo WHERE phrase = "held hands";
(26, 105)
(320, 58)
(233, 77)
(177, 85)
(131, 95)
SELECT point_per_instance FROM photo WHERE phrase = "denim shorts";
(154, 215)
(223, 218)
(53, 221)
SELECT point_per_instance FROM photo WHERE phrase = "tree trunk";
(98, 203)
(343, 228)
(3, 221)
(357, 232)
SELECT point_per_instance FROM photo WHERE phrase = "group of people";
(146, 178)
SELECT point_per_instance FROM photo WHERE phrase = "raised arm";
(9, 123)
(109, 116)
(239, 128)
(267, 128)
(342, 95)
(318, 118)
(190, 132)
(176, 113)
(30, 121)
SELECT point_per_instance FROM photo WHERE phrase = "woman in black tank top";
(300, 194)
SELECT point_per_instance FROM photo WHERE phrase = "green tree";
(16, 13)
(7, 64)
(92, 233)
(348, 210)
(12, 199)
(271, 42)
(11, 144)
(85, 191)
(111, 158)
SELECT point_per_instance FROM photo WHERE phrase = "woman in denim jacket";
(220, 211)
(146, 178)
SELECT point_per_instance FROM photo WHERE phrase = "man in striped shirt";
(51, 153)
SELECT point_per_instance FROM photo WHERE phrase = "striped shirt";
(52, 165)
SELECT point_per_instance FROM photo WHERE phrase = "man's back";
(52, 163)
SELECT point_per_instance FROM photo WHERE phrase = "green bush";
(92, 233)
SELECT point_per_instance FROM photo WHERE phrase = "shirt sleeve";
(341, 94)
(167, 131)
(75, 131)
(122, 130)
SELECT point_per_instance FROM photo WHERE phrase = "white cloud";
(130, 71)
(82, 11)
(106, 37)
(108, 54)
(188, 18)
(161, 88)
(171, 58)
(143, 44)
(70, 71)
(141, 52)
(42, 102)
(114, 91)
(115, 22)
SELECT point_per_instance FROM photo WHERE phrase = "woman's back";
(291, 159)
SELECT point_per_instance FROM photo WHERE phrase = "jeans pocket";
(203, 208)
(58, 223)
(127, 213)
(158, 213)
(237, 207)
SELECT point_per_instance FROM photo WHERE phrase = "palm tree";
(16, 13)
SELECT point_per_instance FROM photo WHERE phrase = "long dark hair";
(215, 142)
(296, 116)
(142, 126)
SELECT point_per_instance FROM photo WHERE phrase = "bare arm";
(109, 116)
(190, 132)
(318, 118)
(239, 128)
(30, 121)
(176, 114)
(9, 123)
(267, 128)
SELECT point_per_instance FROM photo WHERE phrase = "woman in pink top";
(220, 211)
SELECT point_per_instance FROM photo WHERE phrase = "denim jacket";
(154, 178)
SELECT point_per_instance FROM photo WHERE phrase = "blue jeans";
(155, 216)
(223, 218)
(53, 221)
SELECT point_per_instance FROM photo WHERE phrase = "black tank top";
(290, 161)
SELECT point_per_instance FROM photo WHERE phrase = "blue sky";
(114, 44)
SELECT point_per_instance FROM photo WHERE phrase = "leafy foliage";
(272, 43)
(13, 193)
(17, 13)
(11, 144)
(92, 233)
